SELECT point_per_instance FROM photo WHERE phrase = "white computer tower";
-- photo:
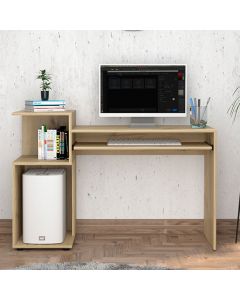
(44, 206)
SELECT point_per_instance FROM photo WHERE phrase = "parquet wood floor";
(175, 244)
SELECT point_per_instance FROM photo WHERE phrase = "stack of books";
(52, 143)
(43, 106)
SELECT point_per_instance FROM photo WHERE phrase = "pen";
(199, 108)
(193, 108)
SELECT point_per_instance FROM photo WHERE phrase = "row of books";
(43, 106)
(52, 143)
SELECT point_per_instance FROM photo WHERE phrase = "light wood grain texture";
(34, 114)
(210, 193)
(30, 126)
(18, 170)
(93, 140)
(127, 129)
(174, 244)
(31, 121)
(87, 148)
(16, 204)
(73, 187)
(104, 137)
(32, 160)
(71, 123)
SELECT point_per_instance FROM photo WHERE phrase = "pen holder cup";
(198, 116)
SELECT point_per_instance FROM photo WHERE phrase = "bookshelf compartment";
(18, 170)
(30, 126)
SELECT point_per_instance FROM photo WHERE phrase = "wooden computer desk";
(93, 140)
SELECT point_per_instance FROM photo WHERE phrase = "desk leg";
(210, 198)
(73, 194)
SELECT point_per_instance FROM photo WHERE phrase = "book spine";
(40, 144)
(44, 103)
(51, 144)
(61, 156)
(48, 144)
(44, 130)
(42, 141)
(45, 109)
(54, 137)
(66, 144)
(58, 144)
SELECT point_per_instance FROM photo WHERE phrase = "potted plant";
(45, 85)
(234, 107)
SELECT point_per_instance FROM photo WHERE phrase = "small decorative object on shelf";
(45, 85)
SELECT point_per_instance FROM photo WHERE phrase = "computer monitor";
(143, 90)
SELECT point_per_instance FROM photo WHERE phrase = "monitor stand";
(143, 122)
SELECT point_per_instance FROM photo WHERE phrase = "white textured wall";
(125, 186)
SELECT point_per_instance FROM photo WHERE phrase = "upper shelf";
(127, 129)
(47, 113)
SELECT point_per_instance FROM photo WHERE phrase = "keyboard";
(118, 141)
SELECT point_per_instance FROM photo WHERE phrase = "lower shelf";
(67, 244)
(32, 160)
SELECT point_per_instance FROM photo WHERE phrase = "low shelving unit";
(31, 121)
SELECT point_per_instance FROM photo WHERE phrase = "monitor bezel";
(141, 115)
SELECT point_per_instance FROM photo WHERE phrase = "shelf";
(113, 129)
(47, 113)
(30, 160)
(87, 148)
(67, 244)
(31, 122)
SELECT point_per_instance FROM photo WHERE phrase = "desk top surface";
(128, 129)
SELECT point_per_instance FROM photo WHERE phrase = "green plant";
(233, 109)
(46, 80)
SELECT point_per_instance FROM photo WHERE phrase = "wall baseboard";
(97, 225)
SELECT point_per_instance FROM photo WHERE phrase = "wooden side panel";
(16, 204)
(71, 123)
(69, 198)
(210, 193)
(73, 217)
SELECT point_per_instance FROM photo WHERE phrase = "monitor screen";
(142, 90)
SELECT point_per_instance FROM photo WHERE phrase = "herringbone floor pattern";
(175, 244)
